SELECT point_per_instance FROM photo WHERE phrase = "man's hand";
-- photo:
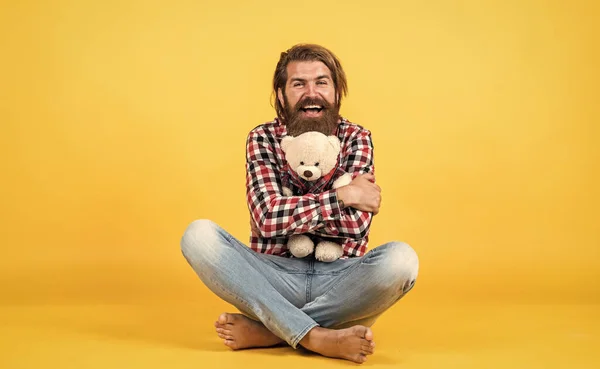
(362, 193)
(254, 228)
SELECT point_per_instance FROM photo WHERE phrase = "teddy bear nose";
(307, 173)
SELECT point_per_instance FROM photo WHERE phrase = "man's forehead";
(307, 70)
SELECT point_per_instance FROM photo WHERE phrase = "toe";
(223, 319)
(225, 336)
(230, 344)
(367, 349)
(369, 334)
(361, 358)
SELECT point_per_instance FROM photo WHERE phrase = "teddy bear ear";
(335, 142)
(285, 142)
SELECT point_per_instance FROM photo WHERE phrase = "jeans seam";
(309, 275)
(308, 286)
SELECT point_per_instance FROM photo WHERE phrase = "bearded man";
(327, 308)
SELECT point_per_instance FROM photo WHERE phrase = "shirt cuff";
(329, 205)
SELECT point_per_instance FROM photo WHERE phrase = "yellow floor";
(413, 334)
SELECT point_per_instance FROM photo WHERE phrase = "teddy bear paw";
(287, 192)
(300, 245)
(328, 251)
(342, 181)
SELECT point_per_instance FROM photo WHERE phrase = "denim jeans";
(290, 296)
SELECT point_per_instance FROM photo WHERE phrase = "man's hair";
(308, 52)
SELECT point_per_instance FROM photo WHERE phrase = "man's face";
(310, 98)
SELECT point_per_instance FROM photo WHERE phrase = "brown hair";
(308, 52)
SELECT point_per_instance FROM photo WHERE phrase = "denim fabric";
(291, 296)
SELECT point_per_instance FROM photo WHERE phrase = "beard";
(297, 124)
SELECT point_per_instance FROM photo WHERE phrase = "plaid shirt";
(313, 209)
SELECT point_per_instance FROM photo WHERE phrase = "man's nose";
(311, 90)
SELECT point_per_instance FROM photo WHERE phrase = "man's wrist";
(344, 196)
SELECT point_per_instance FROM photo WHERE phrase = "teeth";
(312, 107)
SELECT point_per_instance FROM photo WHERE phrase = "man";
(327, 308)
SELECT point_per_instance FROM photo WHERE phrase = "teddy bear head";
(311, 154)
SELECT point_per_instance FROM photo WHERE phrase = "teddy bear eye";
(316, 164)
(301, 163)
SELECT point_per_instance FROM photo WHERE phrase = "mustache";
(311, 101)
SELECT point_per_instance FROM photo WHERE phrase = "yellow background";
(123, 121)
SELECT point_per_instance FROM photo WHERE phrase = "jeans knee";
(405, 258)
(198, 238)
(401, 266)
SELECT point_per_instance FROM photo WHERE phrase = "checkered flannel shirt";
(313, 209)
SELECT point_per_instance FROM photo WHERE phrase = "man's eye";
(322, 83)
(297, 84)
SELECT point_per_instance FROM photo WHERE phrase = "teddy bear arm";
(342, 181)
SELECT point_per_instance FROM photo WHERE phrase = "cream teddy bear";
(313, 155)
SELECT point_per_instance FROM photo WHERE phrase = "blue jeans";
(291, 296)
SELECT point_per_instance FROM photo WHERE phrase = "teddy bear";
(313, 155)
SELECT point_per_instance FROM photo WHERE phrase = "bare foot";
(240, 332)
(353, 343)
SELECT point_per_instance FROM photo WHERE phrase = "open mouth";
(312, 109)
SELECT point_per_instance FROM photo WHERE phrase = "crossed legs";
(349, 294)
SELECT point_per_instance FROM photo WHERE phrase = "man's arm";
(357, 159)
(276, 215)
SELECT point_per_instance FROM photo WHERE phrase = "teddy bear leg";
(328, 251)
(300, 245)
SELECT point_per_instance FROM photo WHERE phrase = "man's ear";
(335, 142)
(280, 97)
(285, 142)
